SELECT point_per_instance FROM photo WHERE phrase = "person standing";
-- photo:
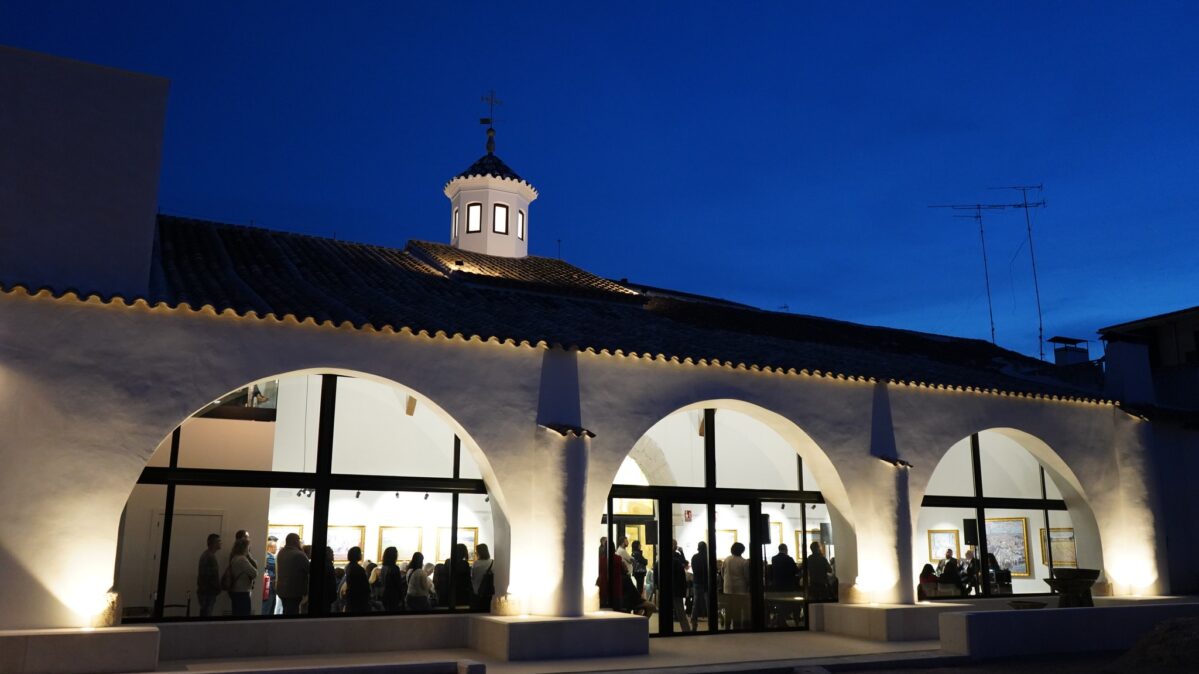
(392, 595)
(291, 572)
(241, 577)
(735, 570)
(622, 551)
(678, 587)
(420, 586)
(269, 588)
(784, 574)
(208, 577)
(482, 579)
(242, 533)
(358, 587)
(819, 575)
(331, 581)
(458, 571)
(699, 584)
(640, 566)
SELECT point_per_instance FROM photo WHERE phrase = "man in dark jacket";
(208, 577)
(291, 572)
(784, 574)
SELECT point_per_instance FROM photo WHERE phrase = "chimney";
(1070, 351)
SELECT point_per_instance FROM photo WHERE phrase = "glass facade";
(344, 496)
(735, 491)
(994, 522)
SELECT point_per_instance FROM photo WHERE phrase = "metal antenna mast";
(1023, 189)
(978, 215)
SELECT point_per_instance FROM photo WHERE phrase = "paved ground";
(1074, 665)
(679, 655)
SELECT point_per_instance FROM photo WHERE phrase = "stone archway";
(649, 456)
(1011, 461)
(252, 452)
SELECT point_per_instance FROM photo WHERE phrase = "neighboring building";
(438, 395)
(1156, 359)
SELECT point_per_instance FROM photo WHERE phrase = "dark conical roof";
(490, 165)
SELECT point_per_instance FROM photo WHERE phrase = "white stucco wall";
(87, 392)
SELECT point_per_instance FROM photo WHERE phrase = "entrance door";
(635, 531)
(738, 566)
(189, 538)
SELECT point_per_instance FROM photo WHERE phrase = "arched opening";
(712, 518)
(340, 481)
(1002, 513)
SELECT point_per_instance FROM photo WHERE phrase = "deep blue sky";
(774, 155)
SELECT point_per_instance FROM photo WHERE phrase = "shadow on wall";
(22, 588)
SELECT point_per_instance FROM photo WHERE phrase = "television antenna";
(1025, 204)
(978, 216)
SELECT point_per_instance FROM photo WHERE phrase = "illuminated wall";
(88, 391)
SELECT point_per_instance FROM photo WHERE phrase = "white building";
(163, 378)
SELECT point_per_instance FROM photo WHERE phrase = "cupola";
(489, 207)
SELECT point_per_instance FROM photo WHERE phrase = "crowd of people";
(962, 578)
(359, 586)
(628, 581)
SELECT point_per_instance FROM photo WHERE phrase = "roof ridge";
(283, 232)
(118, 300)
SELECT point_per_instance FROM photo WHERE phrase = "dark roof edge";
(118, 300)
(1139, 322)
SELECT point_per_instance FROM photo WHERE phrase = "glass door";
(636, 571)
(691, 600)
(736, 577)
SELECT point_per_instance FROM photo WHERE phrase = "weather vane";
(491, 101)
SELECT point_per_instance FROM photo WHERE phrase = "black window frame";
(320, 484)
(495, 222)
(709, 495)
(479, 229)
(980, 503)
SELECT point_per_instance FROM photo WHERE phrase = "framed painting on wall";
(940, 540)
(280, 532)
(1007, 539)
(1065, 554)
(406, 540)
(468, 536)
(724, 542)
(342, 538)
(801, 550)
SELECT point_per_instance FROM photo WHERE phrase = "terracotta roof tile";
(544, 300)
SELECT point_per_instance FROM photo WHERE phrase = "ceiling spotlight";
(299, 492)
(784, 507)
(358, 494)
(426, 496)
(397, 494)
(813, 507)
(487, 499)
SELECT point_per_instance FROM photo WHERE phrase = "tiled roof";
(529, 273)
(490, 165)
(541, 300)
